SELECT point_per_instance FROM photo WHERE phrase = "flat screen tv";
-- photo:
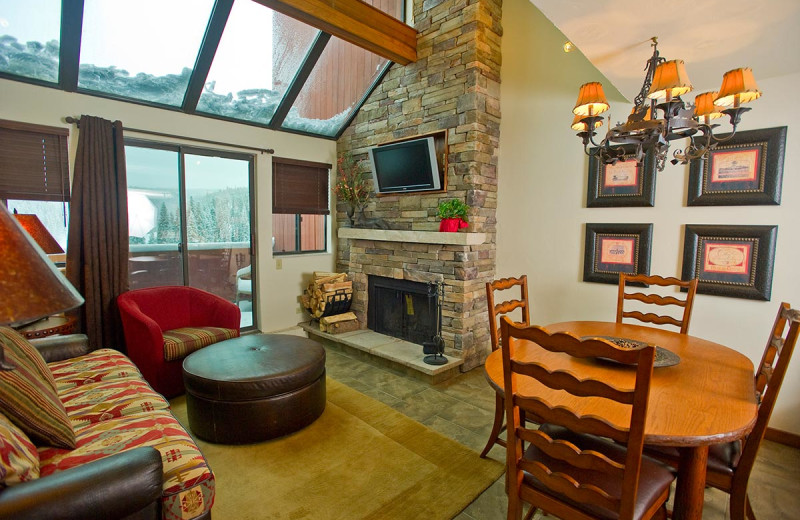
(405, 167)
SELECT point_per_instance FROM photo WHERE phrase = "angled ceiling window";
(257, 58)
(330, 94)
(141, 49)
(231, 59)
(30, 32)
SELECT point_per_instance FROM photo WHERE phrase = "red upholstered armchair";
(163, 325)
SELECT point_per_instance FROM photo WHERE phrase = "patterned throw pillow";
(28, 393)
(19, 460)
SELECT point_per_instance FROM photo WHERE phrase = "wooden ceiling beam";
(356, 22)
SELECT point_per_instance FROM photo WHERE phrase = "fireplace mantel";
(416, 237)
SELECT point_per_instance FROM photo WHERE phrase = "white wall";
(278, 290)
(542, 197)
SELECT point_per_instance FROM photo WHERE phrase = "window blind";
(33, 162)
(300, 187)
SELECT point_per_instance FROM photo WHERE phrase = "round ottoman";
(254, 387)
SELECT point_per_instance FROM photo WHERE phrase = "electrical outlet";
(279, 263)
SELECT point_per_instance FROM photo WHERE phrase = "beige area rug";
(360, 460)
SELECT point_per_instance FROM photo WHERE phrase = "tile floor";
(462, 409)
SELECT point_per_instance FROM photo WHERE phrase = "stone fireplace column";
(454, 86)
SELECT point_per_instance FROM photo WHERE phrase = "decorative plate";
(664, 357)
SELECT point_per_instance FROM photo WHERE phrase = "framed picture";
(626, 183)
(747, 170)
(731, 261)
(616, 248)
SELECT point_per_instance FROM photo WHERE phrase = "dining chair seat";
(654, 476)
(722, 458)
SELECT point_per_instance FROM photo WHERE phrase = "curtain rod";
(76, 121)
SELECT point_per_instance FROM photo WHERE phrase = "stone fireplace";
(403, 309)
(454, 86)
(452, 259)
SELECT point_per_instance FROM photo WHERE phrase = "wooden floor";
(462, 409)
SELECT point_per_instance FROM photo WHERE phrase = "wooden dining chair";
(580, 466)
(730, 464)
(626, 280)
(496, 310)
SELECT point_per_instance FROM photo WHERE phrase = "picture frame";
(611, 249)
(747, 170)
(624, 184)
(735, 261)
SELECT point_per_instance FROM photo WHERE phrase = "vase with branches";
(351, 185)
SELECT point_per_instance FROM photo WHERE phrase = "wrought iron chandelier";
(667, 81)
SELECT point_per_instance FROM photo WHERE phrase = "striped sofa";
(127, 457)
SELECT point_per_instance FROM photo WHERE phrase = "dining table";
(701, 393)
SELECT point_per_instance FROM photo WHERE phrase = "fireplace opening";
(402, 309)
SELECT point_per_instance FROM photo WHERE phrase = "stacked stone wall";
(454, 86)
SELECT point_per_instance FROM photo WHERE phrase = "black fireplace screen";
(402, 309)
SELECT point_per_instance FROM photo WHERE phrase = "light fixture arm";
(650, 70)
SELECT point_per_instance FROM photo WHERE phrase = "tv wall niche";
(441, 151)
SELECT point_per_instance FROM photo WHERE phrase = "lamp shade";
(704, 106)
(31, 285)
(36, 229)
(591, 100)
(580, 126)
(670, 80)
(738, 86)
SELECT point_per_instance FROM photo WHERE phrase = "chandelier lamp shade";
(664, 84)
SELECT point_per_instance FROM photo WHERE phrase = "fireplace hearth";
(402, 309)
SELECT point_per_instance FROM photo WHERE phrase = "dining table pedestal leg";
(690, 489)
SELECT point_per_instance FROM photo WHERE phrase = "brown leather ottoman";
(254, 387)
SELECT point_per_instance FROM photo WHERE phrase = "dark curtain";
(97, 245)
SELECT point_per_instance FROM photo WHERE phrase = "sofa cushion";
(100, 365)
(179, 343)
(188, 489)
(103, 385)
(105, 400)
(28, 393)
(19, 460)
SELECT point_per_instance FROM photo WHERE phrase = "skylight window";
(339, 80)
(257, 58)
(237, 60)
(142, 49)
(29, 38)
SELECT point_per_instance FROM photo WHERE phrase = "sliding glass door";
(190, 214)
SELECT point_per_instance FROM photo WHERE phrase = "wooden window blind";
(300, 187)
(33, 162)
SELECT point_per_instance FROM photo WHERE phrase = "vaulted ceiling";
(711, 36)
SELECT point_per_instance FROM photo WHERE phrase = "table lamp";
(39, 233)
(31, 286)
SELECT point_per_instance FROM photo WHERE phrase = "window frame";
(314, 209)
(183, 246)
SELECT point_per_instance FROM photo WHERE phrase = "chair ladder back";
(656, 299)
(496, 310)
(769, 379)
(570, 463)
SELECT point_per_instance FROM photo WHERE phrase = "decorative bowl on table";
(664, 357)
